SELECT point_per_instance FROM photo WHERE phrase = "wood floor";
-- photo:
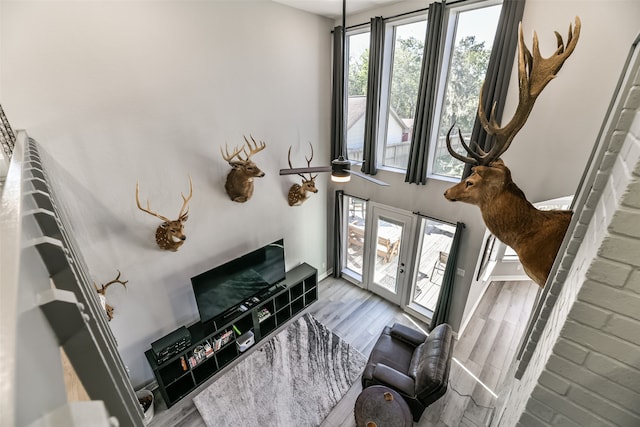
(482, 354)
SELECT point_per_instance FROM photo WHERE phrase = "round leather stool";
(379, 406)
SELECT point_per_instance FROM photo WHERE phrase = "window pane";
(475, 31)
(387, 249)
(358, 51)
(408, 48)
(435, 244)
(356, 215)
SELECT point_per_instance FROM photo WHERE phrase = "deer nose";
(183, 238)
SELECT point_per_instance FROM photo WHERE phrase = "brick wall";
(585, 364)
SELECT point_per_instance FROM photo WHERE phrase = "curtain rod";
(357, 197)
(400, 15)
(438, 219)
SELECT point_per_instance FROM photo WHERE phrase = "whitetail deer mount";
(170, 234)
(102, 294)
(298, 193)
(535, 235)
(239, 184)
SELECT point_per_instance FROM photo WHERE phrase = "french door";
(395, 254)
(388, 251)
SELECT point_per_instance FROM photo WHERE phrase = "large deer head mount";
(298, 193)
(239, 184)
(102, 294)
(535, 235)
(170, 234)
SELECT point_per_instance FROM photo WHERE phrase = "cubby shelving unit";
(213, 346)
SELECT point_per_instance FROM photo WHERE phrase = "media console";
(215, 344)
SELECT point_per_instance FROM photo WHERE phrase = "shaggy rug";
(294, 379)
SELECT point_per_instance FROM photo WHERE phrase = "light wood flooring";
(482, 354)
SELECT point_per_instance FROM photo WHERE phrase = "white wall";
(126, 92)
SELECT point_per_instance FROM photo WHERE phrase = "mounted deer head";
(535, 235)
(239, 184)
(170, 234)
(102, 291)
(298, 193)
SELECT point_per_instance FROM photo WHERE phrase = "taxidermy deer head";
(239, 183)
(103, 289)
(170, 234)
(535, 235)
(298, 193)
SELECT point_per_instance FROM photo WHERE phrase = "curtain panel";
(338, 98)
(496, 82)
(337, 233)
(427, 91)
(376, 47)
(443, 306)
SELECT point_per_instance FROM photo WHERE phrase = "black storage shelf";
(293, 294)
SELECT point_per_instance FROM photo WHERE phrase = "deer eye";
(468, 184)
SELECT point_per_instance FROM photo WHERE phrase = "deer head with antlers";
(102, 291)
(239, 184)
(535, 235)
(170, 234)
(298, 193)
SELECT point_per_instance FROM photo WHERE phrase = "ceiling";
(333, 8)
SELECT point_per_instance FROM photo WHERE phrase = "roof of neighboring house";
(357, 106)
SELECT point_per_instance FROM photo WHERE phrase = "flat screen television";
(226, 286)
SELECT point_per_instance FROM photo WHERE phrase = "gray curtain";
(376, 46)
(338, 99)
(337, 234)
(423, 124)
(501, 61)
(443, 307)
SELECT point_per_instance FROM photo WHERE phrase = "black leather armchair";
(414, 365)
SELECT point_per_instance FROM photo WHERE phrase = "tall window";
(404, 79)
(466, 50)
(358, 66)
(468, 58)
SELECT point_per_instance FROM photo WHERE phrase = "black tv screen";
(225, 287)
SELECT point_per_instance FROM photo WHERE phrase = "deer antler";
(229, 157)
(311, 177)
(183, 214)
(116, 280)
(534, 73)
(148, 209)
(252, 149)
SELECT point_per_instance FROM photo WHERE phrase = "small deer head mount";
(170, 234)
(102, 291)
(239, 184)
(298, 193)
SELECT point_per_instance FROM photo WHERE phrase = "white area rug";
(294, 379)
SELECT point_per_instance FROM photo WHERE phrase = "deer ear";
(184, 217)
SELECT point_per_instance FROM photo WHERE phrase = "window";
(403, 83)
(432, 256)
(353, 257)
(358, 66)
(471, 34)
(466, 50)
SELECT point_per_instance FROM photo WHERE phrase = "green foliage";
(406, 76)
(466, 74)
(358, 73)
